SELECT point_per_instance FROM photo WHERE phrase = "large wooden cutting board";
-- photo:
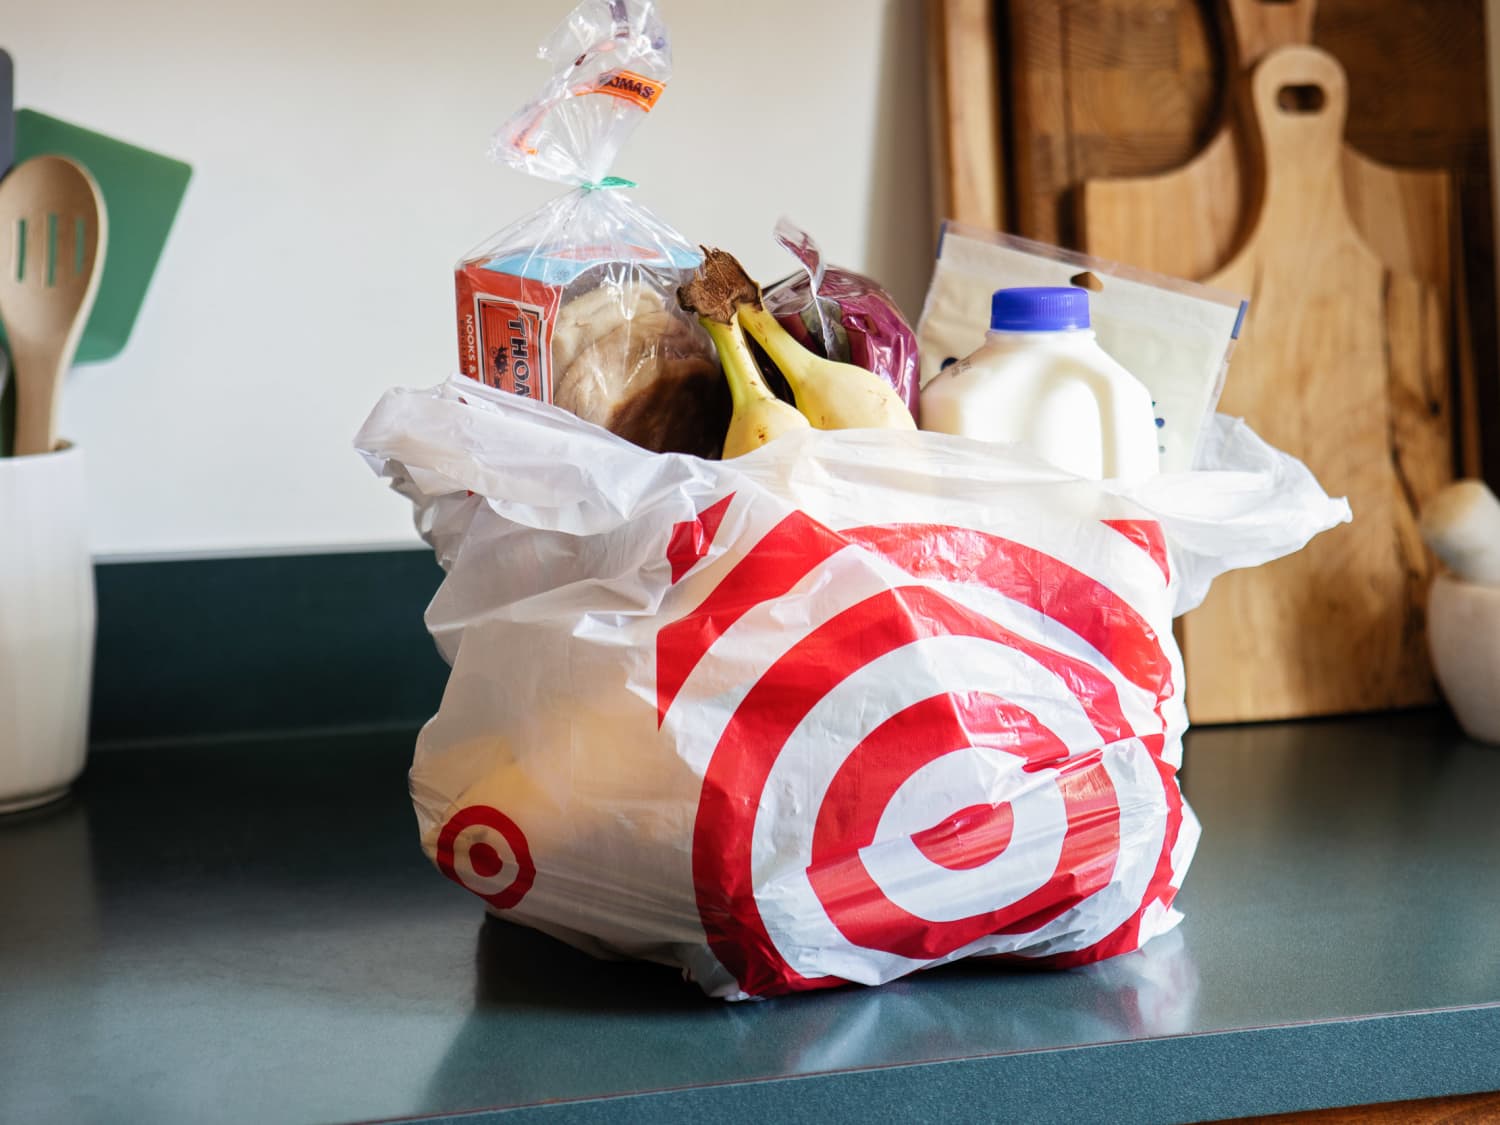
(1188, 221)
(1108, 88)
(1343, 363)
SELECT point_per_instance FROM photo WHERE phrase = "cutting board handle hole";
(1086, 280)
(1304, 98)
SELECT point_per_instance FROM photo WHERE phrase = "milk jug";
(1041, 379)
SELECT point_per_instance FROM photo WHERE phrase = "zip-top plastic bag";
(1175, 336)
(854, 704)
(576, 303)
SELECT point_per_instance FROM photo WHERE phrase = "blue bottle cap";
(1039, 310)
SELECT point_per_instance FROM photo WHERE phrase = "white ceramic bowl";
(1463, 632)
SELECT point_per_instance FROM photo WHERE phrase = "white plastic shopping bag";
(852, 705)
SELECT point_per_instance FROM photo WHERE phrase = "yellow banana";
(832, 395)
(759, 416)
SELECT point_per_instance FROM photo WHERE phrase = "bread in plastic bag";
(575, 304)
(849, 706)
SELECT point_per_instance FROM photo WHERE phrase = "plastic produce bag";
(576, 303)
(852, 705)
(846, 316)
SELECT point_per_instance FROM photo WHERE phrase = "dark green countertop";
(247, 931)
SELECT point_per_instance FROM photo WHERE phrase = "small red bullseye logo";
(970, 737)
(484, 851)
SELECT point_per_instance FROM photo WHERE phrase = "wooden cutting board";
(1343, 363)
(1108, 88)
(1187, 222)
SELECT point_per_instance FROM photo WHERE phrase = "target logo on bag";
(482, 850)
(948, 759)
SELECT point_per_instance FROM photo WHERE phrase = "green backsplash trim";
(249, 645)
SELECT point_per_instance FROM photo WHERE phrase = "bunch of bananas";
(829, 395)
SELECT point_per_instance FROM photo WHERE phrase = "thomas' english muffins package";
(574, 305)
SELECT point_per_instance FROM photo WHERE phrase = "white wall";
(339, 165)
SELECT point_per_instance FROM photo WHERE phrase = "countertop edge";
(1184, 1078)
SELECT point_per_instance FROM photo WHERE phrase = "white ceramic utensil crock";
(46, 626)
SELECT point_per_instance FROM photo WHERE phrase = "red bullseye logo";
(949, 761)
(484, 851)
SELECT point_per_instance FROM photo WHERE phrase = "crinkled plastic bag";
(576, 303)
(845, 316)
(852, 705)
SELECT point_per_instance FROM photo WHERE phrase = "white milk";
(1043, 381)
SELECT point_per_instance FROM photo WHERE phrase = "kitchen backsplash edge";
(220, 647)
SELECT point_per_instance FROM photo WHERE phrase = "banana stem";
(785, 350)
(740, 369)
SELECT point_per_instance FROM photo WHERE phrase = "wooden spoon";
(53, 231)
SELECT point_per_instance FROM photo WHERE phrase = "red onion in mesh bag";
(844, 315)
